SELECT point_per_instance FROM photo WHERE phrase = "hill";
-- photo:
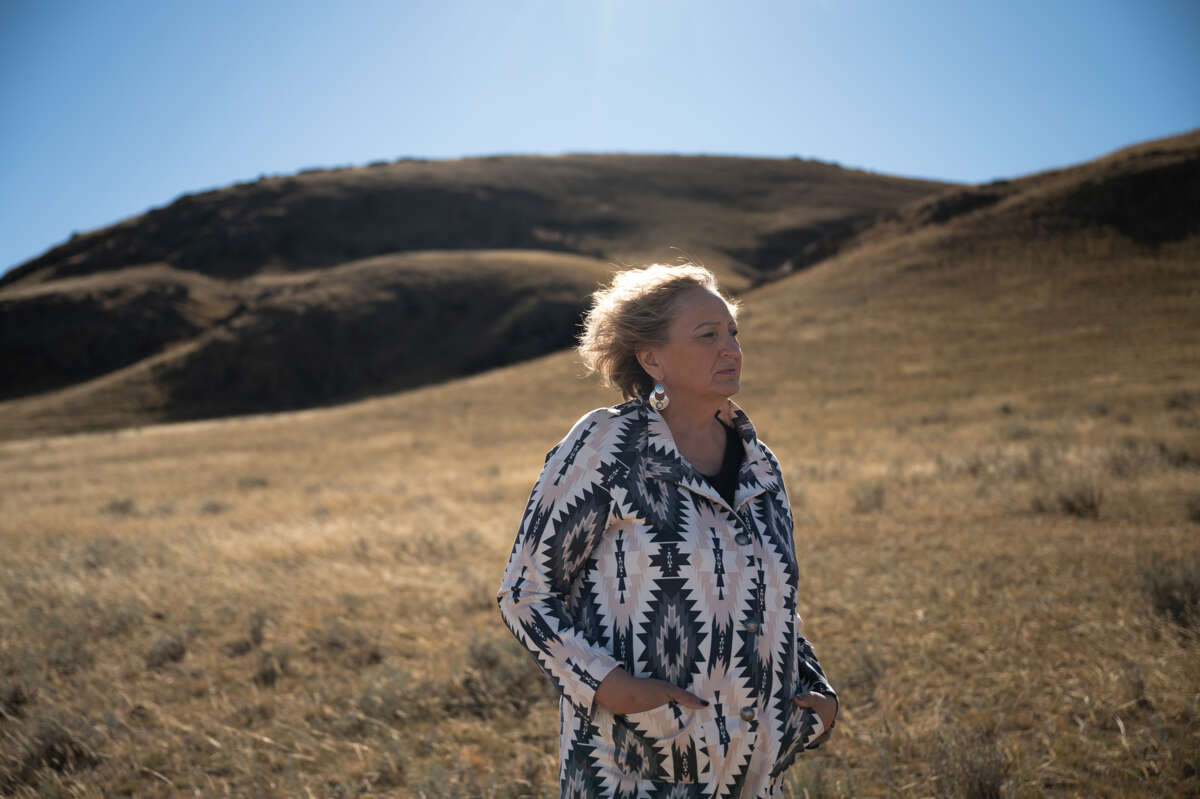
(170, 344)
(332, 284)
(988, 424)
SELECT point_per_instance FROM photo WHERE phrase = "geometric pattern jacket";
(626, 556)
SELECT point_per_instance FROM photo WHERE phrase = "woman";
(653, 576)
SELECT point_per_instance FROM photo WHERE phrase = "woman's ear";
(649, 361)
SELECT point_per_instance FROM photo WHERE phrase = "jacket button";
(747, 714)
(751, 626)
(742, 539)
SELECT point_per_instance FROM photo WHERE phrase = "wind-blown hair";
(633, 312)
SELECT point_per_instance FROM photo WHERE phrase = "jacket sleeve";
(810, 676)
(566, 515)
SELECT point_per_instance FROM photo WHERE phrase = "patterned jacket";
(626, 556)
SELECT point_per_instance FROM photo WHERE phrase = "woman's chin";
(728, 388)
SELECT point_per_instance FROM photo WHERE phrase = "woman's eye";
(733, 332)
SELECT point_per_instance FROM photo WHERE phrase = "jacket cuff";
(812, 678)
(582, 693)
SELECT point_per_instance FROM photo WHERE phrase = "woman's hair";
(633, 312)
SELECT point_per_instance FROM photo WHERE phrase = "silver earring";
(659, 398)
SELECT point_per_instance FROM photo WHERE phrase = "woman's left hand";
(826, 707)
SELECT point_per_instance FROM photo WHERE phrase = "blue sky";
(110, 108)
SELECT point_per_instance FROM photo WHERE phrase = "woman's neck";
(690, 419)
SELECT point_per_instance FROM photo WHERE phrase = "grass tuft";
(346, 643)
(867, 497)
(1183, 400)
(59, 745)
(499, 677)
(272, 666)
(1082, 500)
(211, 507)
(120, 506)
(1174, 588)
(70, 655)
(167, 649)
(969, 764)
(14, 697)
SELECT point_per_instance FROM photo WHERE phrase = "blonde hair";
(633, 312)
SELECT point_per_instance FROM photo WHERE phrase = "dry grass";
(302, 604)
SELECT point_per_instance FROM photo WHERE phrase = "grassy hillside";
(748, 213)
(305, 290)
(282, 340)
(991, 441)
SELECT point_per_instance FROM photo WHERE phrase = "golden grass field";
(302, 604)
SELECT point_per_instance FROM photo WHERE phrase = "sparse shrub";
(70, 654)
(1127, 460)
(1134, 681)
(167, 649)
(251, 715)
(1176, 458)
(212, 507)
(390, 698)
(271, 666)
(58, 744)
(99, 553)
(1193, 509)
(388, 770)
(109, 621)
(252, 481)
(1174, 588)
(1015, 432)
(347, 643)
(499, 676)
(1183, 400)
(1082, 500)
(122, 506)
(257, 622)
(237, 647)
(63, 746)
(14, 696)
(867, 497)
(969, 764)
(253, 638)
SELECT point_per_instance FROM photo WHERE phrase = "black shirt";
(725, 481)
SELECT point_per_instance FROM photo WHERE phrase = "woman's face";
(701, 357)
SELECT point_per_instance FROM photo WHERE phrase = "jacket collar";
(758, 472)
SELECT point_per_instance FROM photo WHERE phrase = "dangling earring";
(659, 398)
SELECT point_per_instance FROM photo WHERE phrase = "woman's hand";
(826, 707)
(620, 692)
